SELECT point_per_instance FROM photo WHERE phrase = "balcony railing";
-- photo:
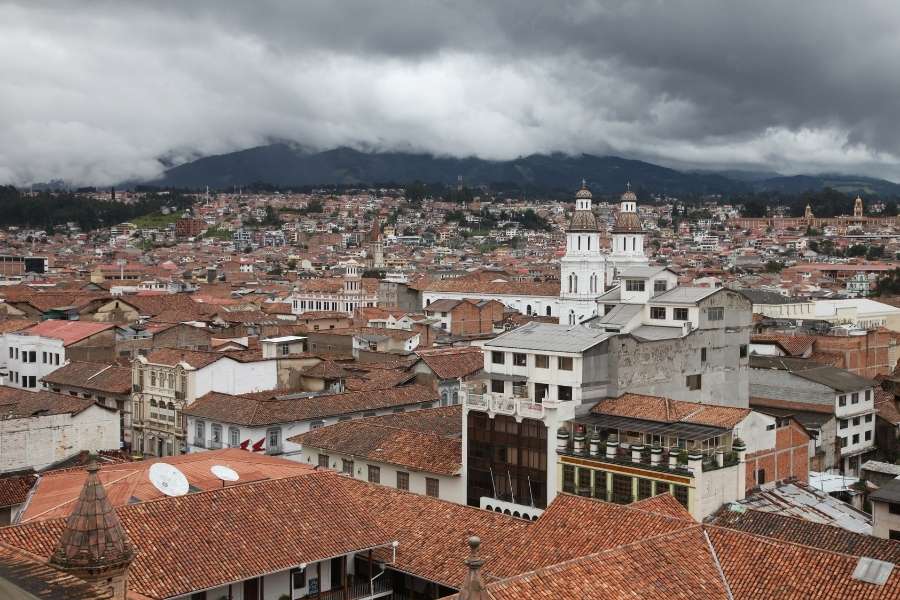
(514, 406)
(358, 591)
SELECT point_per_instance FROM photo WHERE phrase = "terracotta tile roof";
(327, 369)
(33, 578)
(10, 325)
(665, 410)
(67, 331)
(256, 412)
(101, 377)
(886, 406)
(756, 401)
(808, 533)
(21, 404)
(794, 345)
(445, 421)
(450, 363)
(161, 303)
(663, 504)
(14, 488)
(363, 438)
(573, 526)
(260, 528)
(505, 288)
(129, 483)
(674, 566)
(762, 567)
(173, 356)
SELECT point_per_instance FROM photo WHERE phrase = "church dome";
(629, 196)
(628, 222)
(584, 193)
(583, 221)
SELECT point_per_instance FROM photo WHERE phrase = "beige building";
(886, 510)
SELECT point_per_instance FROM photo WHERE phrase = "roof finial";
(472, 587)
(583, 183)
(628, 186)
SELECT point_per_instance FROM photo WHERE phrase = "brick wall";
(789, 458)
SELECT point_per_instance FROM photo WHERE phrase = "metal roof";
(656, 332)
(832, 377)
(621, 314)
(688, 431)
(638, 272)
(684, 295)
(888, 492)
(549, 337)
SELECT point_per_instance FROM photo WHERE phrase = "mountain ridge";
(284, 165)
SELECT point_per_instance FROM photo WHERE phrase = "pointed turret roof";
(473, 587)
(94, 539)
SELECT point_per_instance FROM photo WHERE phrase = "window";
(868, 418)
(347, 466)
(565, 363)
(743, 352)
(855, 438)
(855, 421)
(868, 436)
(681, 494)
(216, 436)
(273, 441)
(842, 400)
(520, 360)
(854, 398)
(402, 480)
(497, 357)
(844, 423)
(374, 474)
(298, 579)
(680, 314)
(716, 313)
(323, 460)
(234, 437)
(497, 386)
(200, 434)
(584, 482)
(657, 312)
(44, 357)
(316, 424)
(843, 442)
(693, 382)
(894, 508)
(541, 361)
(10, 352)
(703, 355)
(760, 476)
(569, 479)
(621, 489)
(600, 485)
(659, 285)
(432, 487)
(634, 285)
(645, 488)
(868, 395)
(153, 378)
(564, 392)
(893, 534)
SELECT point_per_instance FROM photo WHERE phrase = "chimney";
(472, 587)
(93, 546)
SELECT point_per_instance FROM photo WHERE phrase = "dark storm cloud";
(97, 92)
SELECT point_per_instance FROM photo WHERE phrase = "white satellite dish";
(224, 473)
(168, 479)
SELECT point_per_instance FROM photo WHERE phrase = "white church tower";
(628, 237)
(583, 266)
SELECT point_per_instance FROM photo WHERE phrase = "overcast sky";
(99, 92)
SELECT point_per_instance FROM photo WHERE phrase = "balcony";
(516, 406)
(380, 588)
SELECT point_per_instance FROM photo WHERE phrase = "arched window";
(579, 242)
(633, 243)
(528, 310)
(589, 242)
(444, 398)
(571, 317)
(548, 311)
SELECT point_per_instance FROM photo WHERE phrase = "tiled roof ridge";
(629, 507)
(362, 422)
(799, 519)
(776, 541)
(593, 555)
(73, 499)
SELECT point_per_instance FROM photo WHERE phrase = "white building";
(167, 380)
(38, 351)
(40, 429)
(343, 295)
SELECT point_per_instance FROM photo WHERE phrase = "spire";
(93, 543)
(472, 587)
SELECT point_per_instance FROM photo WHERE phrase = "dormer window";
(634, 285)
(659, 285)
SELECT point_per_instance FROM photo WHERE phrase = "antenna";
(168, 479)
(224, 473)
